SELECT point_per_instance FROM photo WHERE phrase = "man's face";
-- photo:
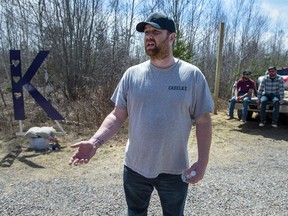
(157, 42)
(272, 72)
(245, 76)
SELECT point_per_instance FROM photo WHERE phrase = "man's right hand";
(85, 151)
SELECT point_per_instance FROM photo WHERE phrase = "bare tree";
(276, 48)
(92, 42)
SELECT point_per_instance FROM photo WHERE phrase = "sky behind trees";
(276, 11)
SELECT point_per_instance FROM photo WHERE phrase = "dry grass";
(15, 155)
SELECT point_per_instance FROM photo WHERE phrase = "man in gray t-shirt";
(162, 98)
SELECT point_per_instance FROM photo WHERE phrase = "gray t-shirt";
(162, 105)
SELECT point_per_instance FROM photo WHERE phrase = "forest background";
(93, 42)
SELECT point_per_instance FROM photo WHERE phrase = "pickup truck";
(254, 107)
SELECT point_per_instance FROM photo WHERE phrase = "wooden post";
(218, 67)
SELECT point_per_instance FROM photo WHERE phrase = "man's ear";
(172, 37)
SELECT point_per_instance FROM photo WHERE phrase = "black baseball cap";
(272, 68)
(158, 21)
(246, 72)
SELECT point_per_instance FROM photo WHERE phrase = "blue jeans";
(276, 105)
(245, 103)
(138, 189)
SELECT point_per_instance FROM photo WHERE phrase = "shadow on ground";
(252, 127)
(13, 155)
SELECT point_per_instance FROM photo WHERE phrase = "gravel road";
(247, 175)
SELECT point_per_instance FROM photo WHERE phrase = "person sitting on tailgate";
(245, 87)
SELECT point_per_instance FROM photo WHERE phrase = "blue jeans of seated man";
(245, 103)
(275, 98)
(138, 189)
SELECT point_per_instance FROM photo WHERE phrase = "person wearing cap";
(244, 89)
(161, 98)
(271, 88)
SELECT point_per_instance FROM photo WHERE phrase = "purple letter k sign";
(18, 82)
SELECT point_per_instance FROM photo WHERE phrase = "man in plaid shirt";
(271, 88)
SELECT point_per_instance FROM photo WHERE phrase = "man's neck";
(163, 63)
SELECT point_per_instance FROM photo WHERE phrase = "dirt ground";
(229, 136)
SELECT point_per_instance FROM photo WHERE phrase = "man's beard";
(160, 51)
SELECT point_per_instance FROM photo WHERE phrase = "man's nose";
(148, 36)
